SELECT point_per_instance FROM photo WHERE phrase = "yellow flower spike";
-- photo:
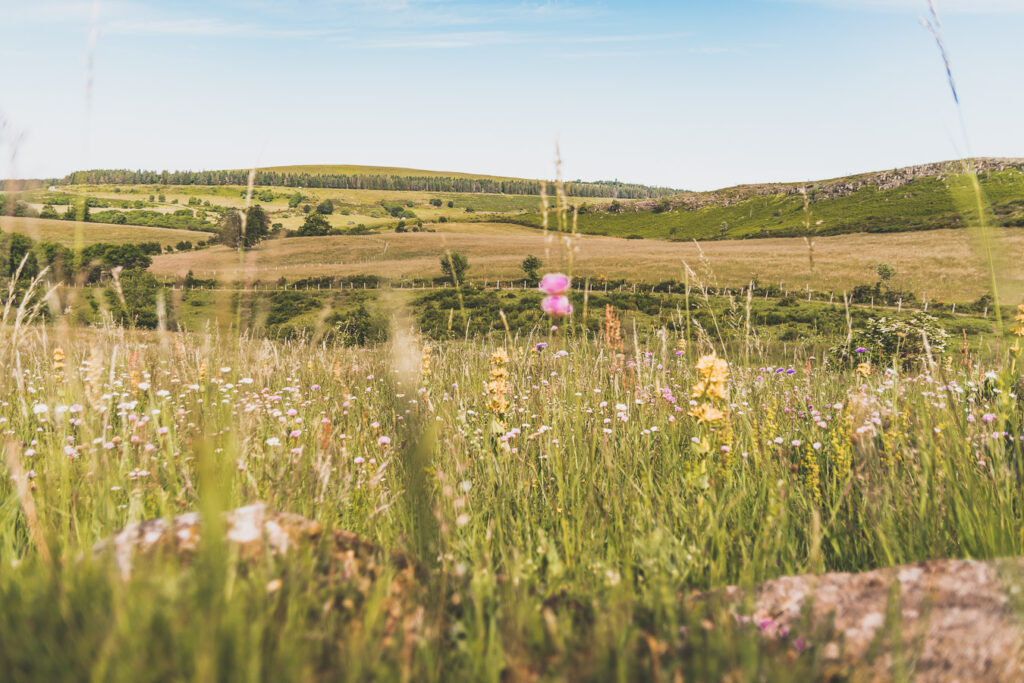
(707, 413)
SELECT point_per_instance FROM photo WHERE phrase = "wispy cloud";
(472, 39)
(944, 6)
(205, 27)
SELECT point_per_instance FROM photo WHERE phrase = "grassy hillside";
(72, 234)
(920, 204)
(343, 169)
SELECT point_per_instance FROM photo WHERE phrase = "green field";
(922, 204)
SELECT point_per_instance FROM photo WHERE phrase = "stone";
(957, 618)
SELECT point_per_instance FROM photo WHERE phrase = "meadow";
(540, 505)
(943, 265)
(493, 488)
(72, 234)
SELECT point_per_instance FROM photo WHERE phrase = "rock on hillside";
(826, 189)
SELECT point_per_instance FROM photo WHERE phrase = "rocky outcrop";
(827, 189)
(952, 620)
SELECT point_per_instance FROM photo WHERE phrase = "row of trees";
(86, 265)
(358, 181)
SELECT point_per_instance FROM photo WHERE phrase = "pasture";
(77, 234)
(945, 265)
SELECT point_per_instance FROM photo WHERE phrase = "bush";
(883, 341)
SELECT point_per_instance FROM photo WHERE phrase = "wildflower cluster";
(710, 390)
(556, 303)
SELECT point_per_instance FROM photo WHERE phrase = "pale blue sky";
(686, 94)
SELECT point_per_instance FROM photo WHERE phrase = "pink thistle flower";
(555, 284)
(556, 306)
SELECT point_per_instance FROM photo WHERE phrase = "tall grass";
(562, 536)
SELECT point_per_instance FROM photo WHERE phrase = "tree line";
(576, 188)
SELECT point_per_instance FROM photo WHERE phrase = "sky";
(684, 94)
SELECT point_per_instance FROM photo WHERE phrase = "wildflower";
(864, 369)
(1019, 318)
(498, 385)
(425, 362)
(384, 441)
(705, 412)
(612, 330)
(555, 284)
(58, 363)
(556, 306)
(541, 346)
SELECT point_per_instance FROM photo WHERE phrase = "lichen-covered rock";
(956, 620)
(253, 529)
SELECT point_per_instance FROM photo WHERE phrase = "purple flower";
(541, 346)
(556, 306)
(555, 284)
(861, 349)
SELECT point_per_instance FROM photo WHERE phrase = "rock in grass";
(254, 530)
(950, 620)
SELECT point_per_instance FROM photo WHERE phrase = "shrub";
(887, 340)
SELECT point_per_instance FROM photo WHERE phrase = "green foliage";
(257, 226)
(229, 229)
(181, 219)
(326, 207)
(925, 203)
(901, 341)
(138, 308)
(454, 266)
(368, 178)
(315, 225)
(531, 266)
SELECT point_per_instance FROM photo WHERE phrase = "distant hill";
(912, 198)
(364, 178)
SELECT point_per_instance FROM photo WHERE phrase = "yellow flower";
(425, 370)
(497, 387)
(710, 389)
(705, 412)
(711, 367)
(864, 369)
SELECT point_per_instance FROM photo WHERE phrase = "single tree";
(326, 207)
(257, 225)
(315, 225)
(454, 267)
(531, 266)
(230, 229)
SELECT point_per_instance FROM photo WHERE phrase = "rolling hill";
(927, 197)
